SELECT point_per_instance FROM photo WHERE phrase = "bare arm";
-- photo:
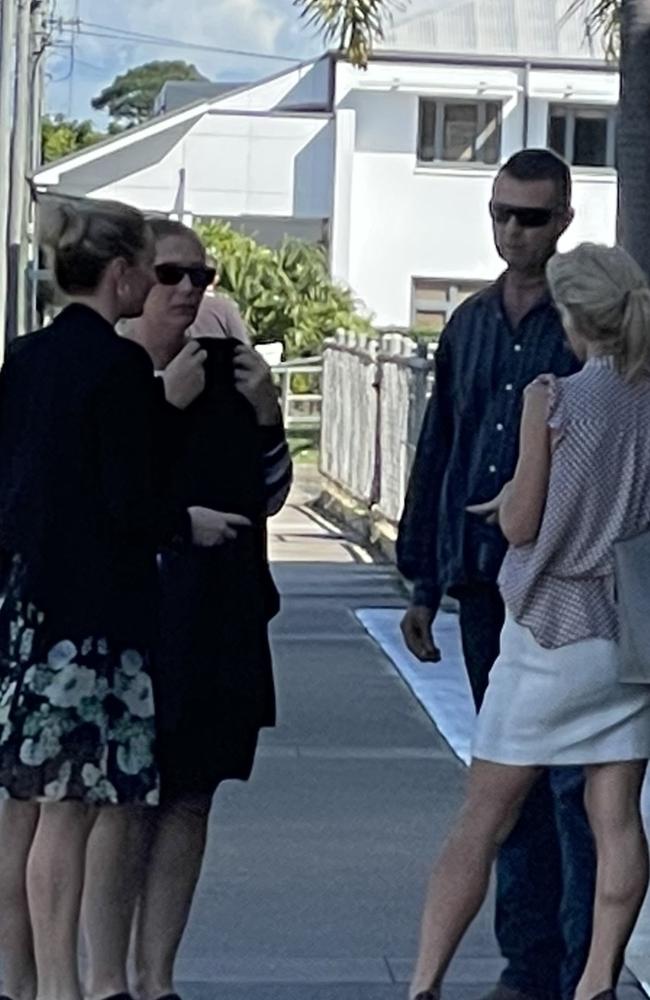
(522, 505)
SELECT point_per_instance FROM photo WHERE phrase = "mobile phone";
(220, 361)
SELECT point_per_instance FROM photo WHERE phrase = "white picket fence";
(375, 393)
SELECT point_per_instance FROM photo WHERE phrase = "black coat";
(83, 428)
(214, 676)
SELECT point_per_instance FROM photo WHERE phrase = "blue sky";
(82, 64)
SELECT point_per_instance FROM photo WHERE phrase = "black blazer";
(84, 433)
(213, 659)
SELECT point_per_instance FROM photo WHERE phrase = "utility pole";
(41, 35)
(7, 28)
(21, 143)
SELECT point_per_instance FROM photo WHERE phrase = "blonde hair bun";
(83, 235)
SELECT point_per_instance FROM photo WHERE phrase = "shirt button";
(517, 347)
(509, 387)
(493, 468)
(499, 427)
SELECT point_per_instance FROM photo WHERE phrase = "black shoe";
(427, 995)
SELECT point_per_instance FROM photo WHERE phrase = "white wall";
(233, 164)
(411, 221)
(260, 165)
(144, 173)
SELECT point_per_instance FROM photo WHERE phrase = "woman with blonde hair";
(582, 483)
(82, 513)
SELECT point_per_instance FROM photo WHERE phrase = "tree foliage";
(603, 16)
(353, 25)
(61, 136)
(130, 98)
(285, 294)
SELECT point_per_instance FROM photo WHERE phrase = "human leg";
(578, 863)
(613, 806)
(173, 870)
(17, 827)
(529, 865)
(55, 877)
(461, 876)
(115, 860)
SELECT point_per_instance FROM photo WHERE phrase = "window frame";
(453, 289)
(441, 104)
(571, 111)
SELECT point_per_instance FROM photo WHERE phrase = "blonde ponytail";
(635, 334)
(607, 298)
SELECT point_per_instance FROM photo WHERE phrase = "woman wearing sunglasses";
(219, 315)
(214, 683)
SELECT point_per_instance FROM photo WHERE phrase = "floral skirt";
(76, 714)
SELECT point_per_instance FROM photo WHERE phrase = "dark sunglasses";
(527, 218)
(173, 274)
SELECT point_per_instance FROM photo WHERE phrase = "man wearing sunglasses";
(495, 344)
(218, 314)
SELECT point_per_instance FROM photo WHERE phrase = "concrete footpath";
(316, 869)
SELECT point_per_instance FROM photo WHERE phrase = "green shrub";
(285, 294)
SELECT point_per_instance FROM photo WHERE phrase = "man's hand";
(254, 381)
(184, 377)
(417, 629)
(212, 527)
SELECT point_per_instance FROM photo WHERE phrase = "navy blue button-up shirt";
(469, 442)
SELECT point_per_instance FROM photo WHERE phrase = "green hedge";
(285, 294)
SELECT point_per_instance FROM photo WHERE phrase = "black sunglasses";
(527, 218)
(173, 274)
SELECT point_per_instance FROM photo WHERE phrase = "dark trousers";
(546, 869)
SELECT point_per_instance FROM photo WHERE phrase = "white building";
(391, 167)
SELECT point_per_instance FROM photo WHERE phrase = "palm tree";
(634, 130)
(627, 28)
(354, 25)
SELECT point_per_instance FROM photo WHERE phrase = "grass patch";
(304, 446)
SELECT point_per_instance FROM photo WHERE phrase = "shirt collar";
(492, 296)
(602, 361)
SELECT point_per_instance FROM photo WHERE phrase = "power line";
(111, 33)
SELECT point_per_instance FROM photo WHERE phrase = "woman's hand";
(254, 381)
(212, 527)
(490, 509)
(184, 377)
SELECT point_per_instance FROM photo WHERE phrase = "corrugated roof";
(528, 28)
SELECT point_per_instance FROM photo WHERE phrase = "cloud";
(266, 26)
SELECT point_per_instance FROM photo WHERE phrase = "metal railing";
(302, 406)
(375, 393)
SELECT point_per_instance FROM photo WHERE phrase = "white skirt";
(556, 707)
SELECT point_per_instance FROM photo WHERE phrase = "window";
(586, 137)
(459, 132)
(435, 301)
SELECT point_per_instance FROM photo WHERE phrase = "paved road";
(316, 868)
